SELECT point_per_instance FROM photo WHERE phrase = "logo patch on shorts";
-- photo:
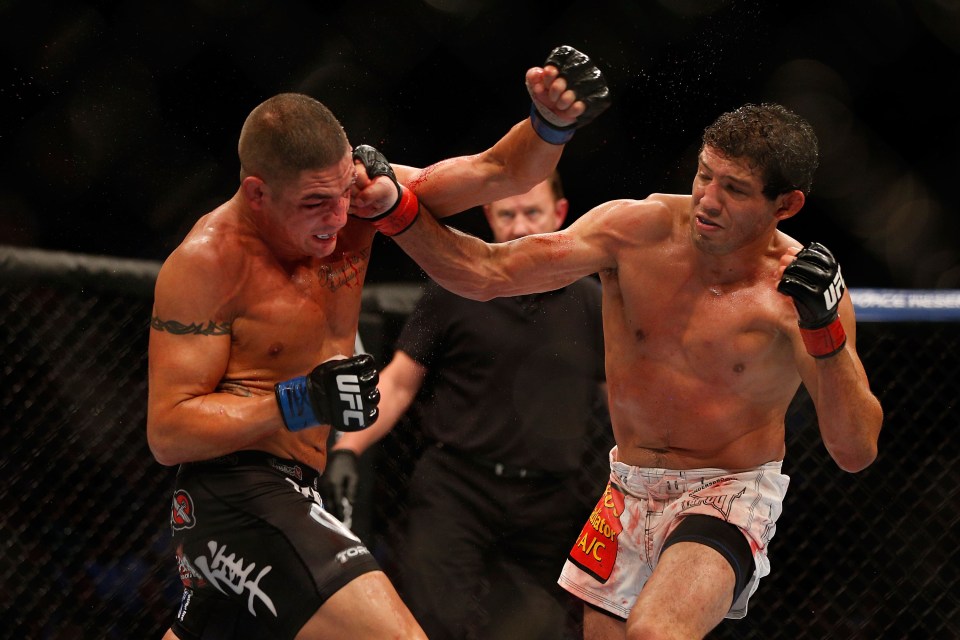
(352, 552)
(596, 548)
(703, 498)
(181, 513)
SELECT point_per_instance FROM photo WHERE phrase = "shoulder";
(213, 246)
(209, 261)
(628, 222)
(655, 208)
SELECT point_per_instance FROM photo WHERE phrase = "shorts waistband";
(676, 481)
(290, 468)
(498, 469)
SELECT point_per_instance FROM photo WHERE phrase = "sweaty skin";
(268, 285)
(703, 354)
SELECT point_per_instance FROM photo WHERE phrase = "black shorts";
(257, 553)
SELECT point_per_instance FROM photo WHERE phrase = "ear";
(789, 203)
(253, 190)
(561, 208)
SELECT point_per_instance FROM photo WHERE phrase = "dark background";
(120, 120)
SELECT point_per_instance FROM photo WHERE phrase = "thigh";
(367, 607)
(263, 544)
(689, 591)
(601, 625)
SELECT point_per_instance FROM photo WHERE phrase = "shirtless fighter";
(251, 357)
(712, 319)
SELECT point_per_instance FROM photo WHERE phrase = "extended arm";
(472, 268)
(568, 92)
(849, 414)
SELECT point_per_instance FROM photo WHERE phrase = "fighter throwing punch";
(712, 318)
(251, 344)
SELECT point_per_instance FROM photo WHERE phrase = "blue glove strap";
(550, 133)
(295, 407)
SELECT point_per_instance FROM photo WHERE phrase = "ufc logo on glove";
(341, 392)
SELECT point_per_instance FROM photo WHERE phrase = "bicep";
(190, 340)
(556, 259)
(449, 186)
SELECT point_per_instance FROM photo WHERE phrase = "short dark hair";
(287, 134)
(773, 139)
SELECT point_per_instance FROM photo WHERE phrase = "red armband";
(399, 218)
(825, 341)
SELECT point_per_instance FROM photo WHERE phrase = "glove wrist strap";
(400, 216)
(824, 342)
(295, 406)
(549, 132)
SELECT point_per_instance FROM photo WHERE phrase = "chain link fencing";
(85, 508)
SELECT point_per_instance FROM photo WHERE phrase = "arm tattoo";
(179, 329)
(235, 388)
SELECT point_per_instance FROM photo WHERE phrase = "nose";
(710, 200)
(338, 215)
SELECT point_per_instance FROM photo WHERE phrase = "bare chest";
(291, 321)
(706, 339)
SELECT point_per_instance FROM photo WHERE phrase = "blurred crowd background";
(120, 119)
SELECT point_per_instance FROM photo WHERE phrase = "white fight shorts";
(620, 544)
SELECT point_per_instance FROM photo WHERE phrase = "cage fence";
(85, 508)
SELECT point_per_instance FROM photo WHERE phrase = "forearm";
(849, 415)
(209, 426)
(515, 164)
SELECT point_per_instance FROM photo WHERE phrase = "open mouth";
(706, 222)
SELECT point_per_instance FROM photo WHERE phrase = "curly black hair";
(773, 139)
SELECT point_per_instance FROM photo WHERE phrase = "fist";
(371, 197)
(390, 208)
(569, 91)
(341, 393)
(814, 283)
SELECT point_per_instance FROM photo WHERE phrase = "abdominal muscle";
(308, 446)
(693, 439)
(660, 428)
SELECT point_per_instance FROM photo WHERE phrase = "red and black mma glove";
(586, 80)
(814, 282)
(341, 393)
(405, 210)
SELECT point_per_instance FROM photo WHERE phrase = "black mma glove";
(814, 282)
(338, 484)
(405, 210)
(341, 393)
(586, 80)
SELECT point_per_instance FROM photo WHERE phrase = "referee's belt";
(499, 469)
